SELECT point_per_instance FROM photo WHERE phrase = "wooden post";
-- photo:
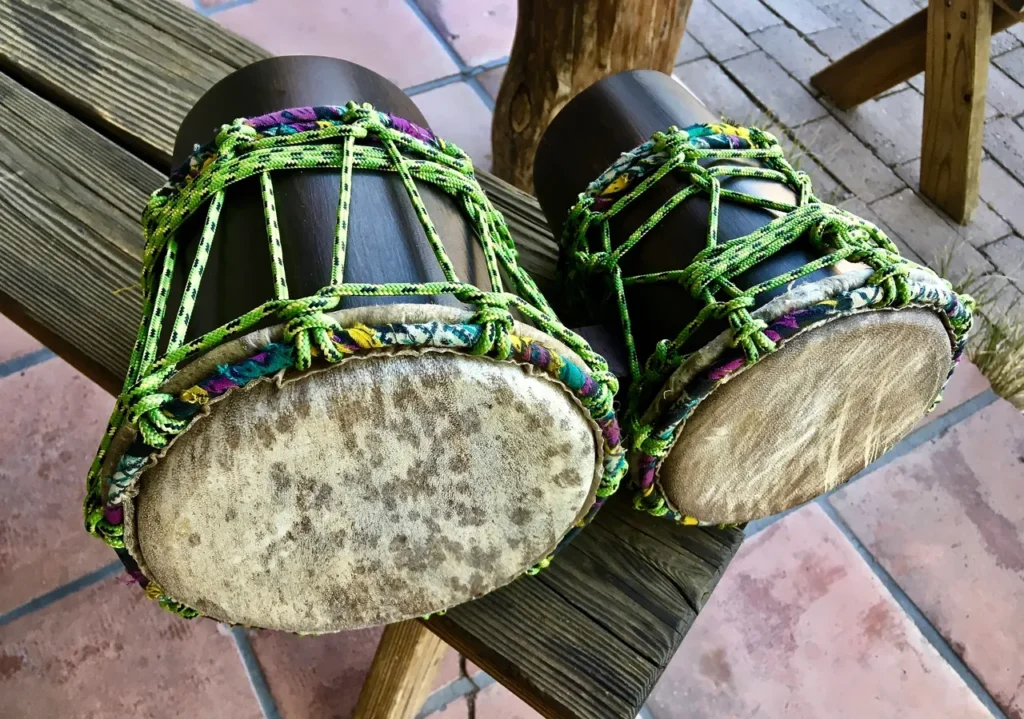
(956, 73)
(403, 669)
(563, 47)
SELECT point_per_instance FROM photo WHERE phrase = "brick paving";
(899, 595)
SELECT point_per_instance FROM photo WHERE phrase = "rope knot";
(892, 277)
(748, 334)
(495, 331)
(604, 261)
(232, 135)
(309, 330)
(156, 426)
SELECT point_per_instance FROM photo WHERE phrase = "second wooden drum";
(778, 344)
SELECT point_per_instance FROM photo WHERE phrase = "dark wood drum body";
(344, 459)
(716, 437)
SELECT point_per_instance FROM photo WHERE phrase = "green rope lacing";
(838, 234)
(241, 152)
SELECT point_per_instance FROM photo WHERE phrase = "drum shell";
(386, 240)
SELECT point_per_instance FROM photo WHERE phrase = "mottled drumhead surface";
(382, 489)
(808, 417)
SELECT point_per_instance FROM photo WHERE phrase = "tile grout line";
(254, 671)
(453, 691)
(214, 9)
(923, 624)
(441, 698)
(65, 590)
(906, 445)
(413, 90)
(23, 362)
(429, 25)
(485, 97)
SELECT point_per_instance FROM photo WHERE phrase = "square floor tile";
(385, 35)
(51, 424)
(107, 651)
(14, 341)
(799, 626)
(479, 30)
(497, 702)
(315, 676)
(457, 113)
(947, 522)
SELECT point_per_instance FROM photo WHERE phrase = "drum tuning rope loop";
(347, 138)
(700, 155)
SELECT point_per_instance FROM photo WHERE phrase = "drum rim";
(826, 298)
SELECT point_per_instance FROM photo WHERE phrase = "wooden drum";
(347, 404)
(777, 344)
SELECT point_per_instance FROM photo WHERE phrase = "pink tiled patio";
(899, 595)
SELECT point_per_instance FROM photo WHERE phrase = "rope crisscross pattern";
(835, 233)
(363, 139)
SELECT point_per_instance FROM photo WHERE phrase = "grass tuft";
(996, 345)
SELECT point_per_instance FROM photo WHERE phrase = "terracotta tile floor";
(900, 595)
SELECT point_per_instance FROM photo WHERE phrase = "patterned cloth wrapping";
(587, 250)
(147, 418)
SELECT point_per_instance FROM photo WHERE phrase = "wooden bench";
(91, 96)
(949, 41)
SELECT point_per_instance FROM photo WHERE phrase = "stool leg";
(956, 73)
(563, 47)
(403, 669)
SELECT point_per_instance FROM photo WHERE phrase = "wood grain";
(402, 672)
(883, 62)
(956, 73)
(70, 241)
(559, 49)
(134, 73)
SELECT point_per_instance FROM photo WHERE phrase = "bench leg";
(563, 47)
(956, 73)
(402, 672)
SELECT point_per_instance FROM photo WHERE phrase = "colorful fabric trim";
(835, 233)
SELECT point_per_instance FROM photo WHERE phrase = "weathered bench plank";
(110, 81)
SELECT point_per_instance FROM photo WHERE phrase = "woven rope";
(348, 138)
(835, 233)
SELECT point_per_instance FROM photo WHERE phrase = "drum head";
(383, 488)
(808, 417)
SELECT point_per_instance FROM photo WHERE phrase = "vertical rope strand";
(274, 236)
(421, 212)
(344, 200)
(195, 273)
(159, 307)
